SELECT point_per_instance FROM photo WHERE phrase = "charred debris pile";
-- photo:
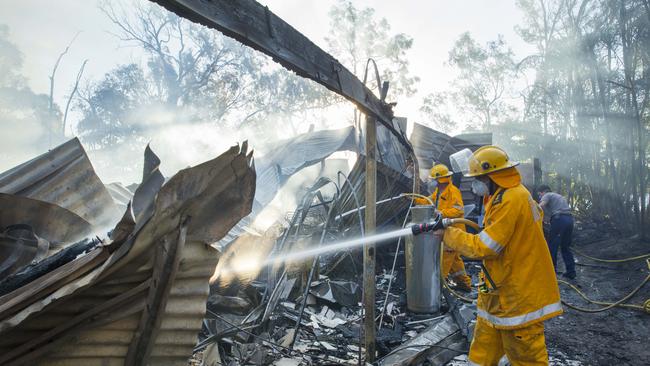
(309, 311)
(173, 269)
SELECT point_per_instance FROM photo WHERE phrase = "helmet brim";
(511, 165)
(444, 176)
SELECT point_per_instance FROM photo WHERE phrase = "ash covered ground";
(617, 336)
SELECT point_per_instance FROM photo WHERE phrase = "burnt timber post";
(369, 248)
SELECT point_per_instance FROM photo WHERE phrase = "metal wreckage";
(155, 287)
(169, 271)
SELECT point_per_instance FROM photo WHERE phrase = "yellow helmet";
(489, 159)
(440, 171)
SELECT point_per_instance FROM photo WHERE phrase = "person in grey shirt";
(557, 208)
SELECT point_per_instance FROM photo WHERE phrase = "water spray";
(437, 223)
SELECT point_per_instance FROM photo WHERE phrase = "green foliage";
(192, 75)
(11, 60)
(356, 35)
(437, 107)
(108, 109)
(485, 73)
(586, 112)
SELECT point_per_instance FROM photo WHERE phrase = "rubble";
(344, 293)
(420, 346)
(309, 311)
(140, 294)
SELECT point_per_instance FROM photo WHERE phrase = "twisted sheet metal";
(216, 195)
(63, 176)
(287, 157)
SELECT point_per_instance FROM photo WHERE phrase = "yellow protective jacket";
(516, 256)
(450, 203)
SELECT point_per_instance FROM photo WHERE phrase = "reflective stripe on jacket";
(516, 256)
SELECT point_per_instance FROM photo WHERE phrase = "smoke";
(21, 144)
(289, 196)
(178, 141)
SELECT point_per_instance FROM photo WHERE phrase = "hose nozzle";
(436, 224)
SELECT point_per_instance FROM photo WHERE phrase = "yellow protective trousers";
(523, 347)
(453, 265)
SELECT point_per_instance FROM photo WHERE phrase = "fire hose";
(418, 196)
(645, 307)
(611, 260)
(646, 304)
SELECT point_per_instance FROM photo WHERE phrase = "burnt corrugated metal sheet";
(284, 159)
(65, 177)
(96, 319)
(182, 318)
(120, 194)
(434, 146)
(290, 156)
(50, 222)
(428, 144)
(390, 151)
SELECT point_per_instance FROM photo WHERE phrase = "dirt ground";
(614, 337)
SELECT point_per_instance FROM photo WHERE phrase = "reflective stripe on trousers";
(520, 319)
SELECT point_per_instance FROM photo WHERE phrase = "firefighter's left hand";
(439, 233)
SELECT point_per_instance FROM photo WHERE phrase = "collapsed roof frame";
(254, 25)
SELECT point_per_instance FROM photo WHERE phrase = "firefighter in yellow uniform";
(450, 205)
(525, 292)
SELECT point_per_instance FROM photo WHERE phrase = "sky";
(42, 29)
(434, 25)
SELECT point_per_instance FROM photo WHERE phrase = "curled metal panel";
(287, 157)
(63, 176)
(49, 221)
(120, 194)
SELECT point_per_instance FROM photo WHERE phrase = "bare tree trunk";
(51, 77)
(632, 111)
(72, 94)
